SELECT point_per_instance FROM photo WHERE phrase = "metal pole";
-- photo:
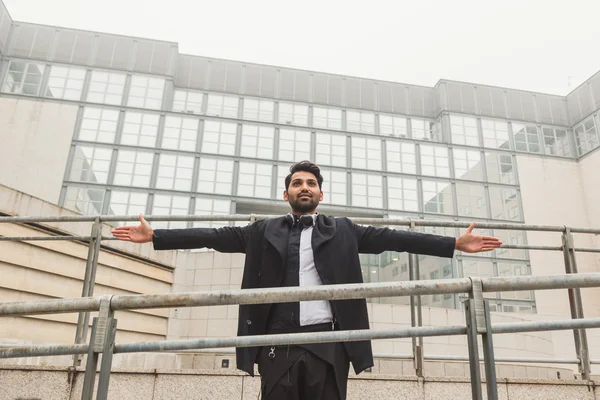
(107, 356)
(415, 311)
(419, 354)
(90, 368)
(476, 392)
(576, 306)
(488, 355)
(88, 285)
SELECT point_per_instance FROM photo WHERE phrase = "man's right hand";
(138, 234)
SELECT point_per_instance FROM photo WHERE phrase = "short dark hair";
(306, 166)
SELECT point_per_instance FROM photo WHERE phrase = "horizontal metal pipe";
(290, 294)
(44, 238)
(289, 338)
(42, 351)
(506, 283)
(249, 217)
(56, 306)
(530, 247)
(587, 250)
(506, 359)
(595, 361)
(535, 326)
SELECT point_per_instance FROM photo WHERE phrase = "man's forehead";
(303, 175)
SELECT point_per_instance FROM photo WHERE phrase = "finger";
(471, 227)
(122, 228)
(492, 242)
(491, 238)
(141, 218)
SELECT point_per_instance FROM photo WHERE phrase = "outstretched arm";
(376, 240)
(226, 239)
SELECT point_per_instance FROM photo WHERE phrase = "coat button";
(249, 322)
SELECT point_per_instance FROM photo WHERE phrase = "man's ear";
(285, 195)
(321, 196)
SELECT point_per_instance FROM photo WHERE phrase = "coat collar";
(277, 230)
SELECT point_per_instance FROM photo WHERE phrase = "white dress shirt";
(318, 311)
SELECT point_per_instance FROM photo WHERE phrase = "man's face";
(304, 193)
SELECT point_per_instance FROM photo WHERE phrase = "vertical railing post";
(576, 306)
(89, 378)
(488, 355)
(416, 312)
(88, 284)
(471, 322)
(101, 341)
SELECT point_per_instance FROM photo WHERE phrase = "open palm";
(141, 233)
(470, 243)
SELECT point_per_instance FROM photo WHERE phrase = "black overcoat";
(336, 244)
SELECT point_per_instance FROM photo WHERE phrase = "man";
(304, 248)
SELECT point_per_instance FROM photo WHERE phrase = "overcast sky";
(541, 45)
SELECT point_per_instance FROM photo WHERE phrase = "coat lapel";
(323, 231)
(276, 232)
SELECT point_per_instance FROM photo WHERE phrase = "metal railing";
(477, 314)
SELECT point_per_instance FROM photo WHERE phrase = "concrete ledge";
(60, 383)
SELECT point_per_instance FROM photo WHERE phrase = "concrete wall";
(554, 192)
(59, 384)
(36, 138)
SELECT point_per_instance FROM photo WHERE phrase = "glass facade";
(174, 140)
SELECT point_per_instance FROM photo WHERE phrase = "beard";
(304, 205)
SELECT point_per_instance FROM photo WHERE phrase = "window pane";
(500, 168)
(259, 110)
(65, 82)
(140, 129)
(23, 78)
(402, 194)
(170, 205)
(330, 118)
(331, 149)
(127, 203)
(556, 141)
(586, 137)
(366, 153)
(254, 180)
(471, 200)
(526, 138)
(392, 126)
(175, 172)
(435, 161)
(215, 176)
(467, 164)
(86, 201)
(146, 92)
(106, 87)
(367, 190)
(505, 203)
(99, 125)
(206, 206)
(219, 138)
(464, 130)
(334, 187)
(359, 121)
(134, 168)
(91, 164)
(222, 106)
(180, 133)
(257, 141)
(401, 157)
(495, 134)
(437, 197)
(425, 130)
(294, 145)
(187, 101)
(293, 114)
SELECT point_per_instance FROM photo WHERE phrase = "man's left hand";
(470, 243)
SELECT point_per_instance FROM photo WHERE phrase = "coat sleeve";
(227, 239)
(373, 240)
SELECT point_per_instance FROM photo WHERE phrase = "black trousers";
(294, 373)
